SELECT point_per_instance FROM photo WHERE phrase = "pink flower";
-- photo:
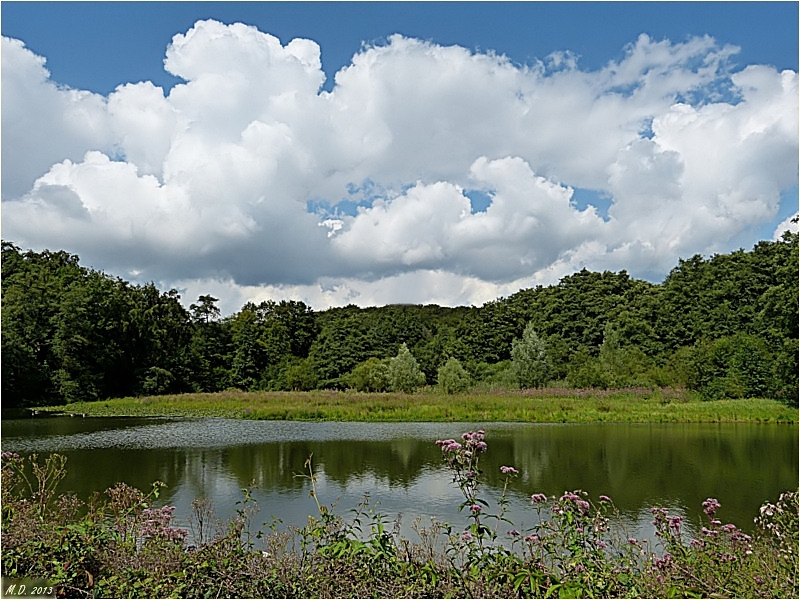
(509, 470)
(711, 506)
(538, 498)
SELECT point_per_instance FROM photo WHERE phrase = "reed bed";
(548, 405)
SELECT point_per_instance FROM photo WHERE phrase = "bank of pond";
(591, 509)
(542, 405)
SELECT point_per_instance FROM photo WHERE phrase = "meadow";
(545, 405)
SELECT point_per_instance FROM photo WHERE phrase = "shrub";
(529, 359)
(452, 377)
(404, 372)
(372, 375)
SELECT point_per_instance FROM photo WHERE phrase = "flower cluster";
(710, 507)
(571, 501)
(462, 457)
(156, 525)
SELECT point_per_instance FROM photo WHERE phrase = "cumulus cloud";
(247, 180)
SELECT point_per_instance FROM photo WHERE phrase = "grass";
(533, 406)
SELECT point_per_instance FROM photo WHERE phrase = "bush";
(452, 377)
(372, 375)
(529, 359)
(739, 366)
(404, 372)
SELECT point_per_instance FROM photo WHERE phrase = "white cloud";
(209, 184)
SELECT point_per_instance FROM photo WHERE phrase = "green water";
(399, 466)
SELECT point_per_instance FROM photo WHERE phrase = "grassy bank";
(533, 406)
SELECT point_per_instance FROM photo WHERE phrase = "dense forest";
(724, 326)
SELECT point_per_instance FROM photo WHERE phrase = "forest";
(724, 326)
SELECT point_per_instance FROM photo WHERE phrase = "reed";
(549, 405)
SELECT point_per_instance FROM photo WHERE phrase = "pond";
(638, 465)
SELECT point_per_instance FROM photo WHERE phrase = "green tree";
(259, 341)
(452, 378)
(404, 372)
(211, 347)
(372, 375)
(529, 359)
(299, 375)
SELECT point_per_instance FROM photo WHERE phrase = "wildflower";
(675, 524)
(605, 499)
(513, 532)
(476, 509)
(740, 536)
(466, 536)
(664, 562)
(532, 538)
(710, 507)
(509, 470)
(538, 498)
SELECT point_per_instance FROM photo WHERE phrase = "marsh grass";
(549, 405)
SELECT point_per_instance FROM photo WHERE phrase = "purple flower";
(509, 471)
(476, 509)
(605, 499)
(513, 532)
(711, 506)
(538, 498)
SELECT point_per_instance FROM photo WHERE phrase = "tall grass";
(636, 405)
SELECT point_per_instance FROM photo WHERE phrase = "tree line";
(725, 326)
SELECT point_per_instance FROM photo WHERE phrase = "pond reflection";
(399, 466)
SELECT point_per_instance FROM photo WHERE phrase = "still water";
(400, 467)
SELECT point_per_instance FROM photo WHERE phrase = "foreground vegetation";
(722, 327)
(532, 406)
(123, 544)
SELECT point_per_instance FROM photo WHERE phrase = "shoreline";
(546, 405)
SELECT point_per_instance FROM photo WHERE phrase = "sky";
(373, 153)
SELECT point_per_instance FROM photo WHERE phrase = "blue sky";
(618, 135)
(98, 45)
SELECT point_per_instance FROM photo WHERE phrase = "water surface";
(399, 466)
